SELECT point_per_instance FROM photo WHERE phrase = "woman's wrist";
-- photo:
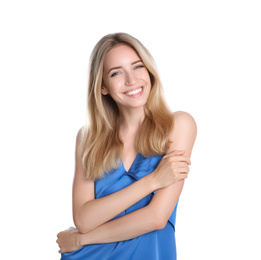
(82, 239)
(153, 181)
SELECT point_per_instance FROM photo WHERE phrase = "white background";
(209, 58)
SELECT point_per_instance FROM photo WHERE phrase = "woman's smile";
(137, 92)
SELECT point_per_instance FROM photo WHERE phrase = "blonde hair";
(102, 146)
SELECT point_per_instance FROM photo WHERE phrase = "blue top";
(156, 245)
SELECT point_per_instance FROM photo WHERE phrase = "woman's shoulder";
(184, 122)
(81, 135)
(181, 117)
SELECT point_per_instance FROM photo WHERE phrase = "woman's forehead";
(120, 55)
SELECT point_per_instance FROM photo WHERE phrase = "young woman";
(131, 161)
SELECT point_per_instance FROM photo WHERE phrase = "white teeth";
(133, 92)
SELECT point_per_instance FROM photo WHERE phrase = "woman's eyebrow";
(119, 67)
(114, 68)
(136, 62)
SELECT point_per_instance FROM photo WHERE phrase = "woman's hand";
(69, 240)
(173, 167)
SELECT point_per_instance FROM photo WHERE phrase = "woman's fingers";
(179, 159)
(184, 170)
(180, 164)
(178, 155)
(182, 159)
(175, 153)
(183, 176)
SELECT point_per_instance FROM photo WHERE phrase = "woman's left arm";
(152, 217)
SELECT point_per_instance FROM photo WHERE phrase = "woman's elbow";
(82, 229)
(81, 226)
(159, 221)
(160, 224)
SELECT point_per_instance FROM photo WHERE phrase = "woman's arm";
(134, 224)
(157, 213)
(126, 227)
(152, 217)
(90, 213)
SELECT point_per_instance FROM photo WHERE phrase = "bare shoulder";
(184, 132)
(81, 135)
(184, 121)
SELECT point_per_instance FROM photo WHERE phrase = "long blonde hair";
(102, 146)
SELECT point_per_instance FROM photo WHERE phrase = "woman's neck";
(132, 119)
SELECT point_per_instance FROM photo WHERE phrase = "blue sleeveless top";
(156, 245)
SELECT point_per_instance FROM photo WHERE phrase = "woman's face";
(125, 78)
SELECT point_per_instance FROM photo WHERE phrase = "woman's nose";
(130, 79)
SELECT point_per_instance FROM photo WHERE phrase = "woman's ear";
(104, 90)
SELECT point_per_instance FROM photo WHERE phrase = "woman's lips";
(134, 92)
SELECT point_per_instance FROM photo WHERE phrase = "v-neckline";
(131, 164)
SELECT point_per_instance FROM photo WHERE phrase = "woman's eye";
(139, 66)
(114, 74)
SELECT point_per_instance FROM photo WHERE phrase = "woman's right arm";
(89, 213)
